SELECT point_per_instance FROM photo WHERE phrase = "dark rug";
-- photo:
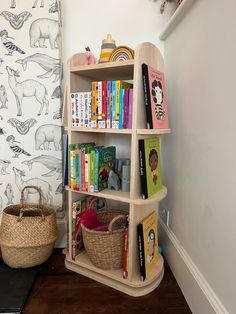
(15, 286)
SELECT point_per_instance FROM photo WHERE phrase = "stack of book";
(108, 105)
(90, 166)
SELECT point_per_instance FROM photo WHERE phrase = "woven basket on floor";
(106, 248)
(28, 233)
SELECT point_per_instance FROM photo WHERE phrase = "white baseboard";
(62, 234)
(198, 293)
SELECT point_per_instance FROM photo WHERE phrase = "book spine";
(125, 261)
(108, 102)
(77, 118)
(141, 253)
(89, 109)
(118, 83)
(121, 110)
(130, 108)
(83, 169)
(94, 105)
(142, 165)
(96, 161)
(73, 109)
(126, 109)
(87, 172)
(86, 110)
(71, 166)
(78, 169)
(92, 155)
(73, 239)
(104, 104)
(147, 99)
(113, 106)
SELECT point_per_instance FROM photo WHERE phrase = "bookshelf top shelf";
(109, 70)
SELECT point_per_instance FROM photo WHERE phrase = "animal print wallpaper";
(30, 101)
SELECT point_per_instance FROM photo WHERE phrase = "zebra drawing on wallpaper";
(13, 4)
(45, 187)
(42, 29)
(51, 65)
(16, 20)
(28, 88)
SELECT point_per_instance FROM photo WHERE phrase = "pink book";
(126, 109)
(130, 109)
(155, 98)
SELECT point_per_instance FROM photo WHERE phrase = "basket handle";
(23, 204)
(95, 199)
(115, 220)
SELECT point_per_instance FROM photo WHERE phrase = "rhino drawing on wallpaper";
(42, 29)
(43, 185)
(46, 134)
(27, 88)
(52, 163)
(51, 65)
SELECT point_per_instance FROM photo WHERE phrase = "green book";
(150, 166)
(107, 159)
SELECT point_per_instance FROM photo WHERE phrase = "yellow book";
(148, 245)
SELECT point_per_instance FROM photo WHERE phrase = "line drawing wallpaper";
(30, 101)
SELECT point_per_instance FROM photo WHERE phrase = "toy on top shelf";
(121, 53)
(89, 57)
(108, 45)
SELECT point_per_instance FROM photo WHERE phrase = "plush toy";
(89, 56)
(113, 181)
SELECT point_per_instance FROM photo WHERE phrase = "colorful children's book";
(147, 245)
(107, 159)
(150, 166)
(155, 97)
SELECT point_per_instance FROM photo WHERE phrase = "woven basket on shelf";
(28, 233)
(106, 248)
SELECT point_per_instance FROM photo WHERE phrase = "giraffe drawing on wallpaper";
(45, 187)
(27, 88)
(13, 4)
(42, 29)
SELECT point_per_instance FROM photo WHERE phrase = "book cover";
(147, 245)
(150, 166)
(107, 159)
(155, 97)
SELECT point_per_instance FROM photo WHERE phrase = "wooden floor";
(60, 291)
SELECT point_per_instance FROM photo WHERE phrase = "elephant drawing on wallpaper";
(13, 4)
(42, 29)
(27, 88)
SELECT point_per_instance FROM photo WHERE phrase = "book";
(106, 162)
(155, 97)
(125, 258)
(147, 245)
(150, 166)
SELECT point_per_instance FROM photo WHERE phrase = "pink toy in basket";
(90, 220)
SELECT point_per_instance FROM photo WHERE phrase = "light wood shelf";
(109, 131)
(80, 78)
(114, 278)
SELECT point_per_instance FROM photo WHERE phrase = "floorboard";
(60, 291)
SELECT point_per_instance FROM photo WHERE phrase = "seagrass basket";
(105, 249)
(28, 233)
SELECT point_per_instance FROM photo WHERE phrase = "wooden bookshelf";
(126, 140)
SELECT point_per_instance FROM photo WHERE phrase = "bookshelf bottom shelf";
(114, 278)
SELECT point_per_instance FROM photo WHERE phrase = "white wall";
(87, 23)
(200, 154)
